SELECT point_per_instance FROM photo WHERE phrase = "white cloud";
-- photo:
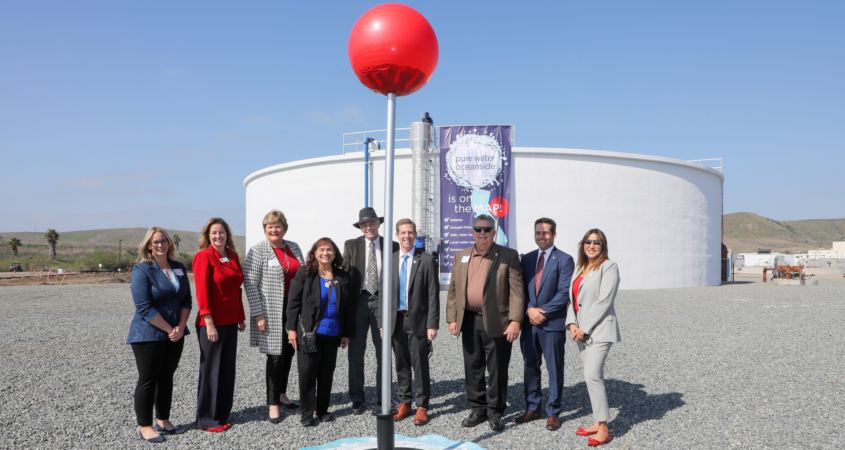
(257, 118)
(346, 114)
(192, 153)
(240, 139)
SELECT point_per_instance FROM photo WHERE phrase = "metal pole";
(367, 173)
(385, 432)
(119, 242)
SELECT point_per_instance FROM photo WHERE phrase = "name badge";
(179, 272)
(224, 260)
(273, 263)
(465, 259)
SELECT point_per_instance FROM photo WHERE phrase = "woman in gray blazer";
(591, 319)
(268, 270)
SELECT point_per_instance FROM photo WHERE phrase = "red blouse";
(575, 286)
(289, 263)
(218, 286)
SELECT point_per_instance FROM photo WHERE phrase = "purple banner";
(476, 174)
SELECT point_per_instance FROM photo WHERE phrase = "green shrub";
(108, 258)
(187, 259)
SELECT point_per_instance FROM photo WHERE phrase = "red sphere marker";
(499, 207)
(393, 49)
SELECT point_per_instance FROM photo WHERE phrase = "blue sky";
(142, 113)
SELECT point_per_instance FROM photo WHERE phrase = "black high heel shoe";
(290, 405)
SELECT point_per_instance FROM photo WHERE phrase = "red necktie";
(539, 275)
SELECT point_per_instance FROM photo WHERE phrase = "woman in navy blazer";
(218, 277)
(162, 295)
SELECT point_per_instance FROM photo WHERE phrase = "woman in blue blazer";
(162, 295)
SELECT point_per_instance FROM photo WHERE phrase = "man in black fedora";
(362, 259)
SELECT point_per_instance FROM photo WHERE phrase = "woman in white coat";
(591, 319)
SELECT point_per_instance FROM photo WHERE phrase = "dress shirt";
(408, 265)
(377, 243)
(476, 275)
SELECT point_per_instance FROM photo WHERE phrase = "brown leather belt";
(404, 313)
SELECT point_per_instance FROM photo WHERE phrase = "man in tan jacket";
(486, 303)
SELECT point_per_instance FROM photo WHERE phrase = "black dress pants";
(316, 372)
(156, 362)
(216, 390)
(411, 351)
(277, 373)
(482, 351)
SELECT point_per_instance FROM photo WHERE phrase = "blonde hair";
(145, 254)
(275, 216)
(205, 236)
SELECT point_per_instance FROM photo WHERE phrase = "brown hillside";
(748, 232)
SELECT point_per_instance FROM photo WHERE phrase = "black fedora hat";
(366, 215)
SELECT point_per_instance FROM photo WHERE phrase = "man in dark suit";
(486, 303)
(416, 302)
(362, 260)
(547, 273)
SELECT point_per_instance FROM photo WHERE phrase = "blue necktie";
(402, 301)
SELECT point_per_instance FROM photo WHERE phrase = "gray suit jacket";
(354, 262)
(596, 314)
(265, 289)
(423, 294)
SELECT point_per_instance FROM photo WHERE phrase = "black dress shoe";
(358, 408)
(496, 423)
(327, 417)
(290, 405)
(474, 419)
(307, 422)
(275, 420)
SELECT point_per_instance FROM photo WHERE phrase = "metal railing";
(709, 163)
(357, 140)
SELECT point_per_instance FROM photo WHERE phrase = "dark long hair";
(311, 263)
(583, 260)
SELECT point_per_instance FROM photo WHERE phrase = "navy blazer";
(554, 288)
(154, 294)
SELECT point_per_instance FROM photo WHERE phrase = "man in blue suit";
(547, 272)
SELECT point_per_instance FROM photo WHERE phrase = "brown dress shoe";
(403, 411)
(527, 417)
(422, 417)
(553, 423)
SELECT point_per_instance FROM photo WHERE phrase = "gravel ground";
(747, 365)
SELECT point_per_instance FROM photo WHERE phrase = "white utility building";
(662, 216)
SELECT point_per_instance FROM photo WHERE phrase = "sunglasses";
(484, 229)
(588, 242)
(156, 243)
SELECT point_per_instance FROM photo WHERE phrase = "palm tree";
(13, 244)
(176, 241)
(52, 237)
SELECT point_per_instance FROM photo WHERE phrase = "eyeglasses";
(484, 229)
(596, 242)
(164, 242)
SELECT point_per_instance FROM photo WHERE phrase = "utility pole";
(119, 242)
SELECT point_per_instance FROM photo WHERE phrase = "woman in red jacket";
(218, 277)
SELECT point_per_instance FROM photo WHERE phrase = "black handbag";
(309, 339)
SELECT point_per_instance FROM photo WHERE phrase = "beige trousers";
(593, 356)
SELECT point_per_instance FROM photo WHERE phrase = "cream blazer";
(596, 314)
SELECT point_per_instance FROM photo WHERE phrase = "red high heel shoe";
(596, 443)
(583, 432)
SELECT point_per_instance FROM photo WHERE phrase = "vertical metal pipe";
(367, 174)
(387, 259)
